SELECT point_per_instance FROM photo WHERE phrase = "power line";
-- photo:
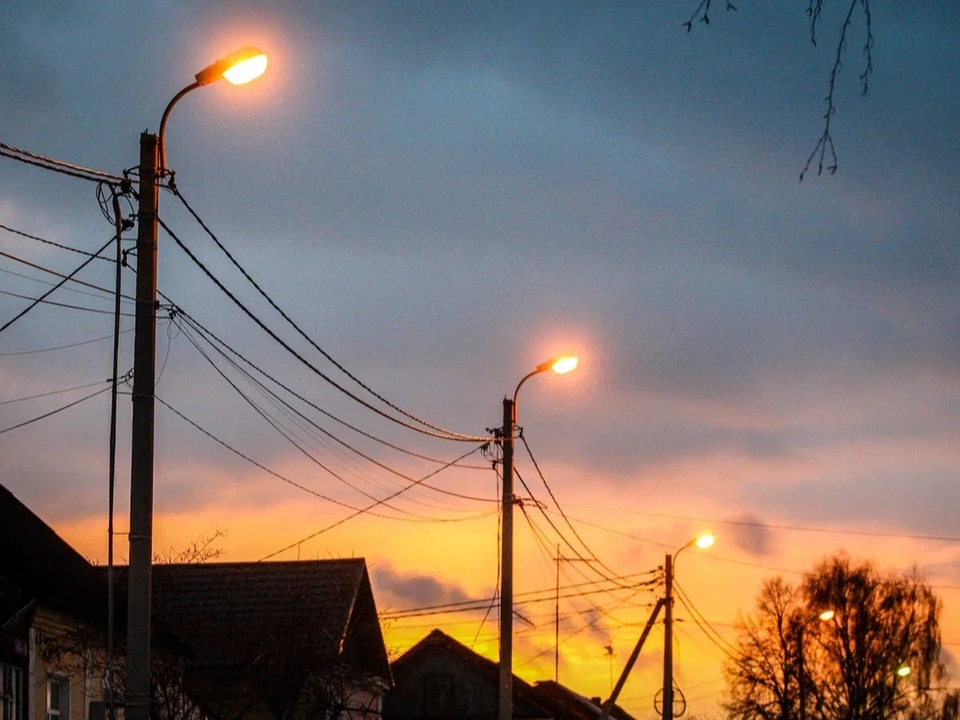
(224, 349)
(768, 526)
(54, 392)
(60, 166)
(270, 395)
(341, 521)
(287, 435)
(304, 335)
(58, 410)
(458, 437)
(43, 297)
(293, 483)
(556, 502)
(41, 300)
(62, 347)
(37, 238)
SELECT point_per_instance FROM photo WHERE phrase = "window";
(11, 693)
(58, 698)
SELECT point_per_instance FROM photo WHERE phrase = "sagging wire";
(436, 428)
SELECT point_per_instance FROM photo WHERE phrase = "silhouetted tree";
(791, 664)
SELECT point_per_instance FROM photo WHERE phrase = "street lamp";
(238, 67)
(560, 365)
(702, 541)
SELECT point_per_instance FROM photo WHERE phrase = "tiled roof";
(231, 615)
(38, 566)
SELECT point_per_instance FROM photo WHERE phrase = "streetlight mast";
(251, 63)
(560, 365)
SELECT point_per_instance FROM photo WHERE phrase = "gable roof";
(241, 615)
(525, 700)
(38, 567)
(544, 699)
(568, 705)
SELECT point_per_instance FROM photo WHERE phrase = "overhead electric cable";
(223, 348)
(88, 173)
(53, 392)
(443, 436)
(43, 297)
(54, 412)
(53, 272)
(275, 425)
(326, 433)
(556, 503)
(367, 509)
(300, 331)
(588, 561)
(775, 526)
(27, 235)
(68, 346)
(41, 300)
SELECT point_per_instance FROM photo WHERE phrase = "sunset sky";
(443, 195)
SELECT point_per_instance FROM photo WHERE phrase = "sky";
(443, 195)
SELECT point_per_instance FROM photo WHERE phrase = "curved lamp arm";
(163, 124)
(238, 68)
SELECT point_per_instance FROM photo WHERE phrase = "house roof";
(38, 567)
(568, 705)
(545, 699)
(268, 614)
(525, 699)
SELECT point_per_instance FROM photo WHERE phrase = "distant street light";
(823, 616)
(560, 365)
(702, 541)
(240, 67)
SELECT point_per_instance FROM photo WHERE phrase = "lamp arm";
(163, 124)
(519, 384)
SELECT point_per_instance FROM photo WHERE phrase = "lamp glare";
(564, 364)
(246, 70)
(826, 615)
(704, 541)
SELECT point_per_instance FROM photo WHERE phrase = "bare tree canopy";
(850, 643)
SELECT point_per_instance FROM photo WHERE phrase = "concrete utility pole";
(668, 638)
(237, 68)
(506, 565)
(137, 694)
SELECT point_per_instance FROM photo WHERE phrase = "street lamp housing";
(238, 68)
(704, 541)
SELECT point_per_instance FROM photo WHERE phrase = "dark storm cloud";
(750, 534)
(415, 589)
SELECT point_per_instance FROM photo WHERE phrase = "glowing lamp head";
(704, 541)
(826, 615)
(560, 365)
(903, 670)
(238, 68)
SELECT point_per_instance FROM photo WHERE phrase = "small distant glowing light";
(247, 70)
(564, 364)
(903, 670)
(704, 541)
(827, 615)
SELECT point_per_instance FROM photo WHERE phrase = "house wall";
(69, 664)
(440, 685)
